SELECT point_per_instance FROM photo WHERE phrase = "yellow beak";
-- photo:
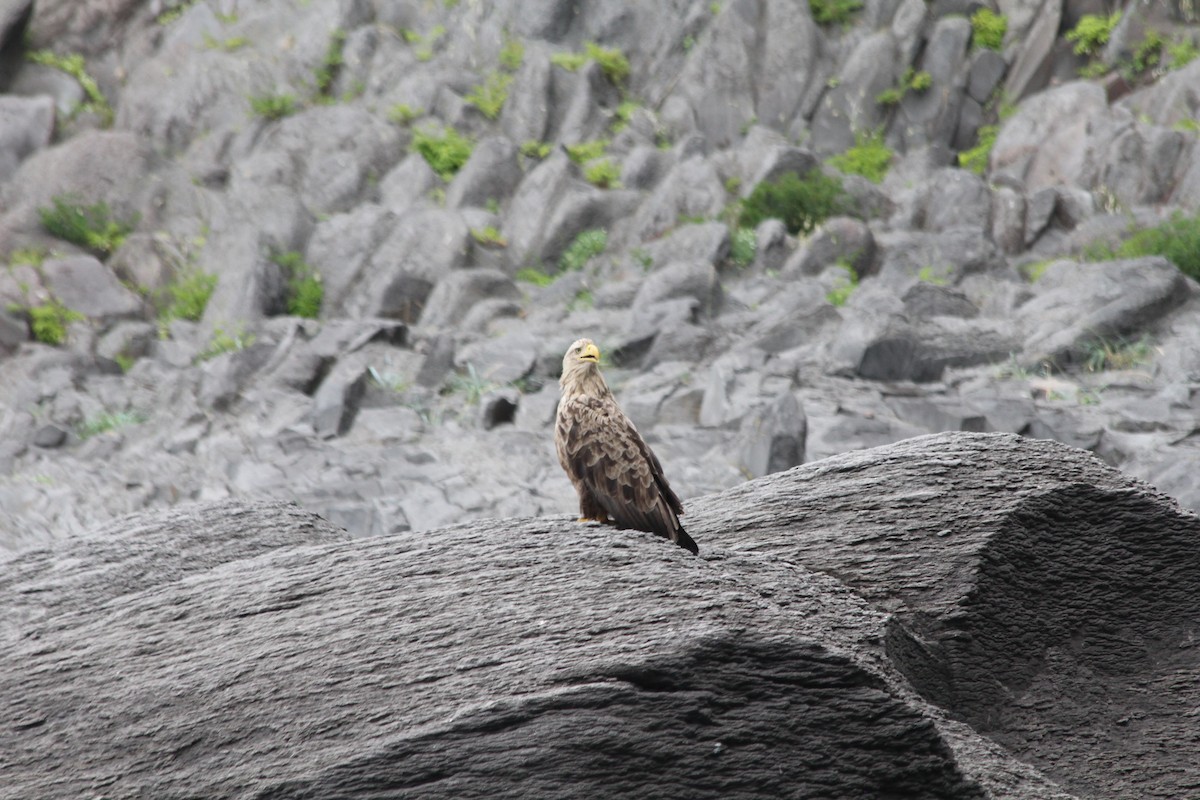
(590, 353)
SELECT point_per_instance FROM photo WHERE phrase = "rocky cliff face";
(404, 211)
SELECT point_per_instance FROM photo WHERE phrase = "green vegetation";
(583, 300)
(534, 276)
(229, 45)
(976, 159)
(988, 29)
(172, 14)
(1092, 32)
(305, 290)
(1102, 354)
(331, 63)
(833, 12)
(603, 173)
(733, 185)
(76, 67)
(28, 256)
(469, 384)
(532, 148)
(49, 321)
(585, 247)
(403, 113)
(869, 157)
(87, 226)
(801, 203)
(841, 292)
(743, 247)
(1177, 240)
(612, 62)
(273, 106)
(445, 152)
(927, 274)
(623, 114)
(1034, 270)
(586, 151)
(512, 54)
(489, 96)
(909, 81)
(187, 297)
(223, 342)
(105, 422)
(1187, 126)
(489, 236)
(1182, 51)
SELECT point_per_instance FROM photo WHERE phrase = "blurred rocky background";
(331, 251)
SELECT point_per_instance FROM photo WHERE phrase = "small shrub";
(1182, 52)
(445, 152)
(890, 97)
(489, 96)
(1102, 354)
(585, 247)
(919, 81)
(87, 226)
(1092, 32)
(733, 185)
(833, 12)
(1177, 240)
(909, 81)
(534, 276)
(76, 67)
(512, 54)
(976, 159)
(403, 114)
(623, 114)
(602, 173)
(743, 247)
(927, 274)
(840, 293)
(869, 157)
(305, 290)
(188, 297)
(28, 256)
(488, 236)
(105, 422)
(1148, 53)
(586, 151)
(988, 29)
(49, 321)
(223, 342)
(228, 45)
(327, 71)
(532, 148)
(273, 106)
(470, 384)
(569, 61)
(612, 62)
(801, 203)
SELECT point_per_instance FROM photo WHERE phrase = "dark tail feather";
(682, 539)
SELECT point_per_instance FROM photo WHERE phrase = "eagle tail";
(682, 539)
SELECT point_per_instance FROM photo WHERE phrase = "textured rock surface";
(834, 604)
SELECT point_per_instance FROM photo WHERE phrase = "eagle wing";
(603, 452)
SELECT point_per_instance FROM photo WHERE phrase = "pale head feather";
(581, 370)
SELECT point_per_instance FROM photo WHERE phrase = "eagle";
(618, 477)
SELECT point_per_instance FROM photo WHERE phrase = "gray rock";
(772, 246)
(948, 255)
(924, 300)
(692, 189)
(406, 184)
(849, 107)
(1038, 147)
(341, 247)
(26, 124)
(931, 116)
(337, 402)
(131, 340)
(84, 284)
(838, 239)
(491, 173)
(1031, 70)
(696, 282)
(542, 189)
(774, 438)
(986, 72)
(704, 243)
(1008, 219)
(499, 407)
(421, 249)
(457, 293)
(49, 436)
(956, 198)
(501, 360)
(1081, 302)
(715, 87)
(14, 330)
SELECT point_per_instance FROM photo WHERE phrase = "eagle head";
(582, 360)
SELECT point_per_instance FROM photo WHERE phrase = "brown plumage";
(619, 479)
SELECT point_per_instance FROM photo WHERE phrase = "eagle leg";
(590, 509)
